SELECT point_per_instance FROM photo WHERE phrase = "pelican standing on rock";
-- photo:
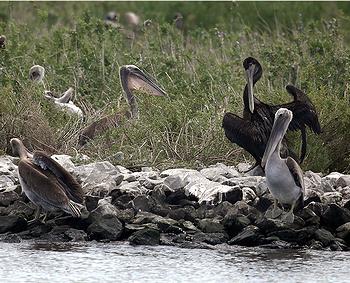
(46, 183)
(131, 79)
(284, 177)
(252, 131)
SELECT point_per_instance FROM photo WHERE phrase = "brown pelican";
(179, 21)
(64, 102)
(131, 78)
(37, 74)
(111, 19)
(2, 41)
(252, 131)
(46, 183)
(284, 177)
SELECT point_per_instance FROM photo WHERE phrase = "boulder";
(331, 197)
(324, 236)
(105, 227)
(12, 223)
(250, 236)
(343, 181)
(334, 216)
(211, 226)
(210, 238)
(213, 172)
(146, 236)
(235, 223)
(8, 197)
(75, 235)
(65, 161)
(144, 203)
(343, 232)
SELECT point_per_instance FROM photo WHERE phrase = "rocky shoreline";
(182, 207)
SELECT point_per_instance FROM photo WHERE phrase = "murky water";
(96, 262)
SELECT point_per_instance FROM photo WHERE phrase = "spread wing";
(245, 134)
(45, 189)
(71, 187)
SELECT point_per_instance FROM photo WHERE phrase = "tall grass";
(200, 69)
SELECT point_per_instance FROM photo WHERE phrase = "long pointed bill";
(277, 133)
(250, 76)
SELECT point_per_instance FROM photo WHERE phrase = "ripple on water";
(116, 262)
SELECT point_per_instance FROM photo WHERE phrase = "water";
(97, 262)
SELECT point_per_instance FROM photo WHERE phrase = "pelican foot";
(274, 213)
(288, 217)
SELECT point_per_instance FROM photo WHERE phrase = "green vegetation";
(201, 70)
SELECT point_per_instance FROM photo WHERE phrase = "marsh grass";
(201, 71)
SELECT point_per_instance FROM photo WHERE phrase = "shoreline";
(180, 207)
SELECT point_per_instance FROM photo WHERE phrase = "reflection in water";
(96, 262)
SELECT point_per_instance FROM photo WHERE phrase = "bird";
(2, 41)
(252, 131)
(111, 19)
(64, 102)
(46, 183)
(132, 20)
(178, 21)
(284, 176)
(131, 78)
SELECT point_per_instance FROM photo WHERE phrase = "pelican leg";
(289, 216)
(36, 215)
(275, 212)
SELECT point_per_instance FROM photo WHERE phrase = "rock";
(12, 223)
(10, 238)
(7, 182)
(249, 195)
(243, 167)
(317, 207)
(75, 235)
(185, 213)
(211, 226)
(334, 216)
(310, 217)
(343, 181)
(98, 178)
(312, 180)
(146, 236)
(332, 178)
(300, 236)
(180, 171)
(332, 197)
(167, 225)
(150, 184)
(232, 196)
(36, 230)
(8, 197)
(65, 161)
(143, 203)
(213, 172)
(343, 232)
(326, 186)
(345, 192)
(222, 209)
(105, 227)
(263, 203)
(189, 226)
(324, 236)
(133, 188)
(235, 223)
(250, 236)
(91, 202)
(210, 238)
(176, 197)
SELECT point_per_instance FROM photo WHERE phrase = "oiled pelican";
(64, 102)
(252, 131)
(284, 177)
(46, 183)
(131, 78)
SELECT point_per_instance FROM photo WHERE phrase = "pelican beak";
(278, 131)
(250, 75)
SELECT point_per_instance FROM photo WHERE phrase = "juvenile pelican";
(284, 177)
(64, 102)
(46, 183)
(131, 79)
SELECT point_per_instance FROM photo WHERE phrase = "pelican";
(64, 102)
(179, 21)
(2, 41)
(37, 73)
(131, 78)
(252, 131)
(284, 177)
(46, 183)
(132, 19)
(111, 19)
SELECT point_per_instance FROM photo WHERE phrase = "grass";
(201, 70)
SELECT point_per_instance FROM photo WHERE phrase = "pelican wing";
(71, 187)
(297, 174)
(44, 188)
(245, 134)
(137, 82)
(67, 96)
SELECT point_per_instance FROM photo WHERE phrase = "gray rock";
(334, 216)
(326, 186)
(12, 223)
(150, 183)
(332, 178)
(8, 197)
(211, 226)
(249, 195)
(250, 236)
(146, 236)
(189, 226)
(75, 235)
(65, 161)
(105, 227)
(133, 188)
(343, 181)
(343, 231)
(10, 238)
(213, 172)
(331, 197)
(143, 203)
(20, 208)
(210, 238)
(180, 171)
(324, 236)
(235, 223)
(98, 178)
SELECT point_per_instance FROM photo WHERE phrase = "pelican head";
(2, 41)
(132, 19)
(112, 16)
(36, 73)
(147, 23)
(18, 148)
(283, 117)
(253, 72)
